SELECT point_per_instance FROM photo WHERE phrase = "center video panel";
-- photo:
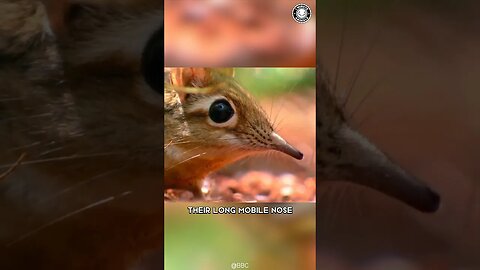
(239, 137)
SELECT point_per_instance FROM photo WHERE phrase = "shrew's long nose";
(281, 145)
(362, 163)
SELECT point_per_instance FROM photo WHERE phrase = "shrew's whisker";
(362, 101)
(340, 49)
(361, 66)
(81, 183)
(185, 160)
(25, 117)
(10, 99)
(13, 167)
(66, 216)
(171, 143)
(283, 103)
(25, 146)
(63, 158)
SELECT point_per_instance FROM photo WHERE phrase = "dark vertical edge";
(152, 66)
(317, 151)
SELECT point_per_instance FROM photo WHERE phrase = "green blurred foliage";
(201, 241)
(276, 81)
(214, 242)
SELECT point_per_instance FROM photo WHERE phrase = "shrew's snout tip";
(298, 155)
(431, 203)
(281, 145)
(291, 151)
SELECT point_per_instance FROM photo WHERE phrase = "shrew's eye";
(220, 111)
(152, 61)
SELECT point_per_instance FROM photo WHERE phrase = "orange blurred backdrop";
(237, 33)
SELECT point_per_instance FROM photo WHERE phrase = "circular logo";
(301, 13)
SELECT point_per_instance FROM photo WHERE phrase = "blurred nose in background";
(418, 63)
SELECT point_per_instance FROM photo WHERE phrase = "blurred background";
(412, 70)
(237, 33)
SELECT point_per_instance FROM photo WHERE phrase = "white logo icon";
(301, 13)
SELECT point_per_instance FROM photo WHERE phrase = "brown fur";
(23, 25)
(63, 119)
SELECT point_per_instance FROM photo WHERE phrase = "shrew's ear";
(191, 77)
(229, 72)
(198, 77)
(196, 80)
